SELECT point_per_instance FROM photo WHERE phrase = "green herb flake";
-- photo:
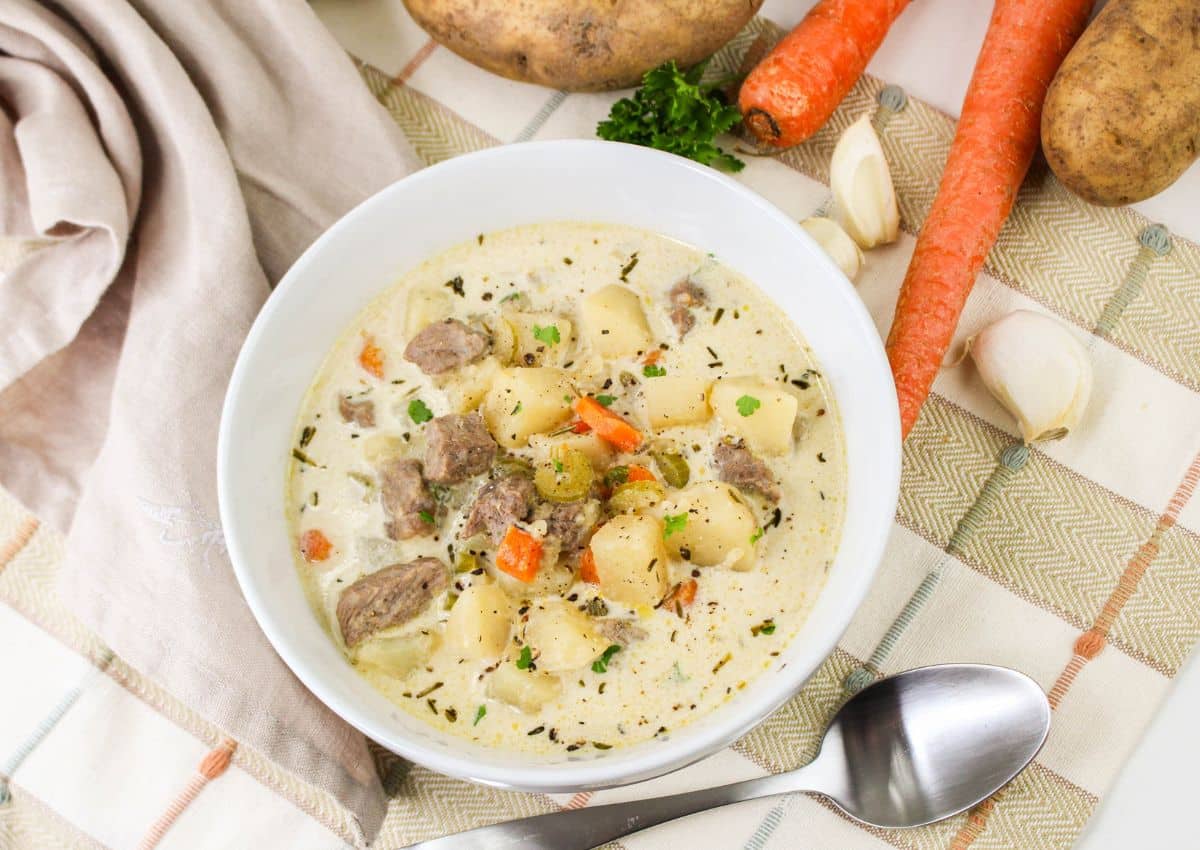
(747, 404)
(606, 400)
(418, 412)
(673, 523)
(306, 435)
(510, 297)
(479, 713)
(558, 466)
(617, 475)
(766, 627)
(673, 111)
(526, 659)
(516, 409)
(548, 334)
(305, 459)
(600, 665)
(756, 536)
(654, 371)
(426, 517)
(629, 267)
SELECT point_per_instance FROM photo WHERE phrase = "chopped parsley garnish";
(418, 412)
(479, 713)
(426, 517)
(747, 404)
(675, 112)
(548, 334)
(756, 536)
(516, 409)
(766, 627)
(526, 659)
(606, 400)
(600, 665)
(617, 475)
(456, 285)
(654, 371)
(673, 523)
(558, 466)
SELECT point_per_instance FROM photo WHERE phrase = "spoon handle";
(582, 829)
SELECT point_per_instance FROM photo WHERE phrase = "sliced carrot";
(371, 357)
(520, 554)
(653, 357)
(640, 473)
(587, 567)
(608, 425)
(680, 596)
(314, 545)
(581, 427)
(996, 139)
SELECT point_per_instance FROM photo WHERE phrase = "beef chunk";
(500, 503)
(685, 295)
(445, 345)
(390, 597)
(738, 466)
(406, 500)
(361, 413)
(570, 524)
(457, 447)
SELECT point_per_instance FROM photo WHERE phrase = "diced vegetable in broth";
(669, 476)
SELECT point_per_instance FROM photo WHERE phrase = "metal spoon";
(906, 751)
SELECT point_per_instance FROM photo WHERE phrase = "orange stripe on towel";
(1091, 643)
(18, 541)
(413, 64)
(212, 766)
(578, 801)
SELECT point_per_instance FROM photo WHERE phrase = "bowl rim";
(606, 772)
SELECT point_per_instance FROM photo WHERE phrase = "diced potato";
(718, 529)
(504, 339)
(524, 690)
(380, 447)
(615, 322)
(479, 622)
(563, 635)
(425, 306)
(552, 579)
(470, 384)
(631, 559)
(523, 402)
(766, 426)
(596, 450)
(677, 400)
(530, 350)
(395, 655)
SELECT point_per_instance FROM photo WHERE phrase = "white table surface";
(930, 52)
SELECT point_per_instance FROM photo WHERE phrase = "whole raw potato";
(1121, 120)
(581, 45)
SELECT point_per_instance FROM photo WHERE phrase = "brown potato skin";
(581, 45)
(1121, 120)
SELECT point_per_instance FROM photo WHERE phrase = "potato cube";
(676, 400)
(470, 384)
(542, 339)
(479, 622)
(717, 527)
(524, 690)
(615, 322)
(562, 637)
(523, 402)
(423, 307)
(759, 412)
(631, 559)
(395, 655)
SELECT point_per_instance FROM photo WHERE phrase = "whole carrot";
(795, 89)
(996, 139)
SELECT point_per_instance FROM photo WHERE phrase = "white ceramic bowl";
(501, 187)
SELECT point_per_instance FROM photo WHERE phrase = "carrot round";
(996, 139)
(608, 425)
(587, 567)
(520, 554)
(640, 473)
(371, 357)
(794, 90)
(314, 545)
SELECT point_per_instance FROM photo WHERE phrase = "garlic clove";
(862, 187)
(837, 244)
(1037, 369)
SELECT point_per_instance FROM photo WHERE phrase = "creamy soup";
(566, 486)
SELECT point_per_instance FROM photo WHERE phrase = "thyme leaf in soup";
(630, 266)
(307, 435)
(766, 627)
(305, 459)
(747, 404)
(548, 334)
(455, 284)
(418, 411)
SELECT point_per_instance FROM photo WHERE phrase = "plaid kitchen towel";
(1076, 562)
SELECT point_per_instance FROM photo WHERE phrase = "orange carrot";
(996, 139)
(653, 357)
(587, 567)
(580, 427)
(640, 473)
(371, 357)
(680, 596)
(520, 554)
(794, 90)
(314, 546)
(608, 425)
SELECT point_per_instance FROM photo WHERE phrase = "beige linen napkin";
(161, 165)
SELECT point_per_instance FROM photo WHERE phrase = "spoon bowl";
(905, 751)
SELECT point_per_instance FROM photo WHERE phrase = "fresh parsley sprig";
(674, 112)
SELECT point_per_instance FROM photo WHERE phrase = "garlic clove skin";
(862, 187)
(1037, 370)
(837, 244)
